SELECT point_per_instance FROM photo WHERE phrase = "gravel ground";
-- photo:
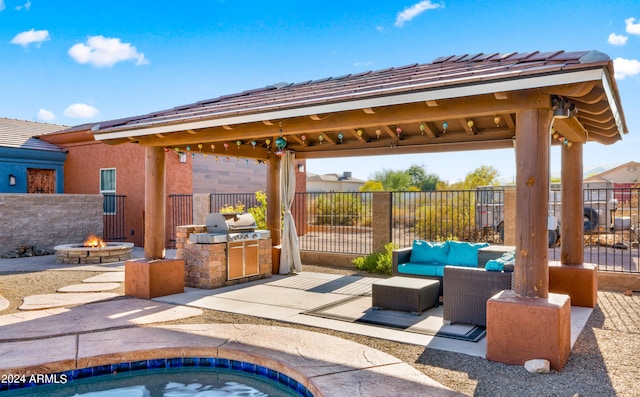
(604, 360)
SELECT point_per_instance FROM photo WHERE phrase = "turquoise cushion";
(497, 265)
(494, 265)
(428, 252)
(422, 269)
(464, 254)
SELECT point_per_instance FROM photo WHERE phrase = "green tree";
(393, 181)
(423, 181)
(484, 175)
(372, 186)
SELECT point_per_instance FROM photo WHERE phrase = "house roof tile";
(23, 134)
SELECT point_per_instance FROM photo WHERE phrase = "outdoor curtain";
(290, 255)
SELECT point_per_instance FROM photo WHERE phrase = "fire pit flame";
(94, 241)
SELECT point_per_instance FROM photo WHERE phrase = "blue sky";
(75, 61)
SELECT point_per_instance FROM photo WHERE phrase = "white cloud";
(632, 28)
(625, 67)
(358, 64)
(31, 36)
(81, 111)
(26, 6)
(411, 12)
(46, 115)
(617, 39)
(104, 51)
(2, 6)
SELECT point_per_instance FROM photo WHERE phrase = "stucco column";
(154, 203)
(381, 220)
(274, 201)
(571, 222)
(532, 202)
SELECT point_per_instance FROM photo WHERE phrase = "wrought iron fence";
(464, 215)
(342, 222)
(611, 228)
(219, 201)
(181, 213)
(113, 217)
(334, 222)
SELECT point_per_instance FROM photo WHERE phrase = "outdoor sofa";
(428, 259)
(465, 282)
(467, 290)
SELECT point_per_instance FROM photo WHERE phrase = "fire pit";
(93, 251)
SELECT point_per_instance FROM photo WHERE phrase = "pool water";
(165, 382)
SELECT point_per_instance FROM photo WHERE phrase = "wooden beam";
(317, 117)
(401, 148)
(501, 95)
(401, 114)
(469, 126)
(192, 132)
(154, 203)
(572, 213)
(274, 203)
(432, 103)
(429, 129)
(532, 199)
(360, 134)
(571, 129)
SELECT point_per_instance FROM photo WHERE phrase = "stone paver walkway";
(89, 287)
(48, 301)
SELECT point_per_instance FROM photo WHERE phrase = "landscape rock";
(537, 366)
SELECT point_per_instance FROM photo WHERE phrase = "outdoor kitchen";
(227, 250)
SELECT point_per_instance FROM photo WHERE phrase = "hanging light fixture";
(280, 144)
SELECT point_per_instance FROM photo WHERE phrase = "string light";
(340, 136)
(445, 125)
(422, 128)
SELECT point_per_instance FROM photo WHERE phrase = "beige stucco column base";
(521, 329)
(580, 282)
(148, 279)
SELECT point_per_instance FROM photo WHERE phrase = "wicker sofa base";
(466, 292)
(405, 294)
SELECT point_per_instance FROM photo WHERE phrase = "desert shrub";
(377, 262)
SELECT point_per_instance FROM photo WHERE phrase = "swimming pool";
(172, 377)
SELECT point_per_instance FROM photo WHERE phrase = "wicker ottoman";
(408, 294)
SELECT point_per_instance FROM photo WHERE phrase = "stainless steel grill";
(231, 226)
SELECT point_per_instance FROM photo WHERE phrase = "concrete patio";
(69, 330)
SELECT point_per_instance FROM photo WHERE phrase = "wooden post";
(274, 201)
(532, 202)
(571, 223)
(154, 203)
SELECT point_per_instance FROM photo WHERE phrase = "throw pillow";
(428, 252)
(494, 265)
(464, 254)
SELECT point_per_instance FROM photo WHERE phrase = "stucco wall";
(82, 176)
(46, 220)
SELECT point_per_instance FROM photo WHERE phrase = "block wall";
(47, 220)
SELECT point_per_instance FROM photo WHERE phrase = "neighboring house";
(93, 167)
(29, 164)
(333, 183)
(622, 176)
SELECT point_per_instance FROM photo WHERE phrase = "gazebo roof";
(464, 102)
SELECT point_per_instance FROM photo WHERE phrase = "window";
(108, 189)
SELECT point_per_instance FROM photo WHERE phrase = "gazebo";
(525, 101)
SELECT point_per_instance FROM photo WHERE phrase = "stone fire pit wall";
(74, 254)
(205, 265)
